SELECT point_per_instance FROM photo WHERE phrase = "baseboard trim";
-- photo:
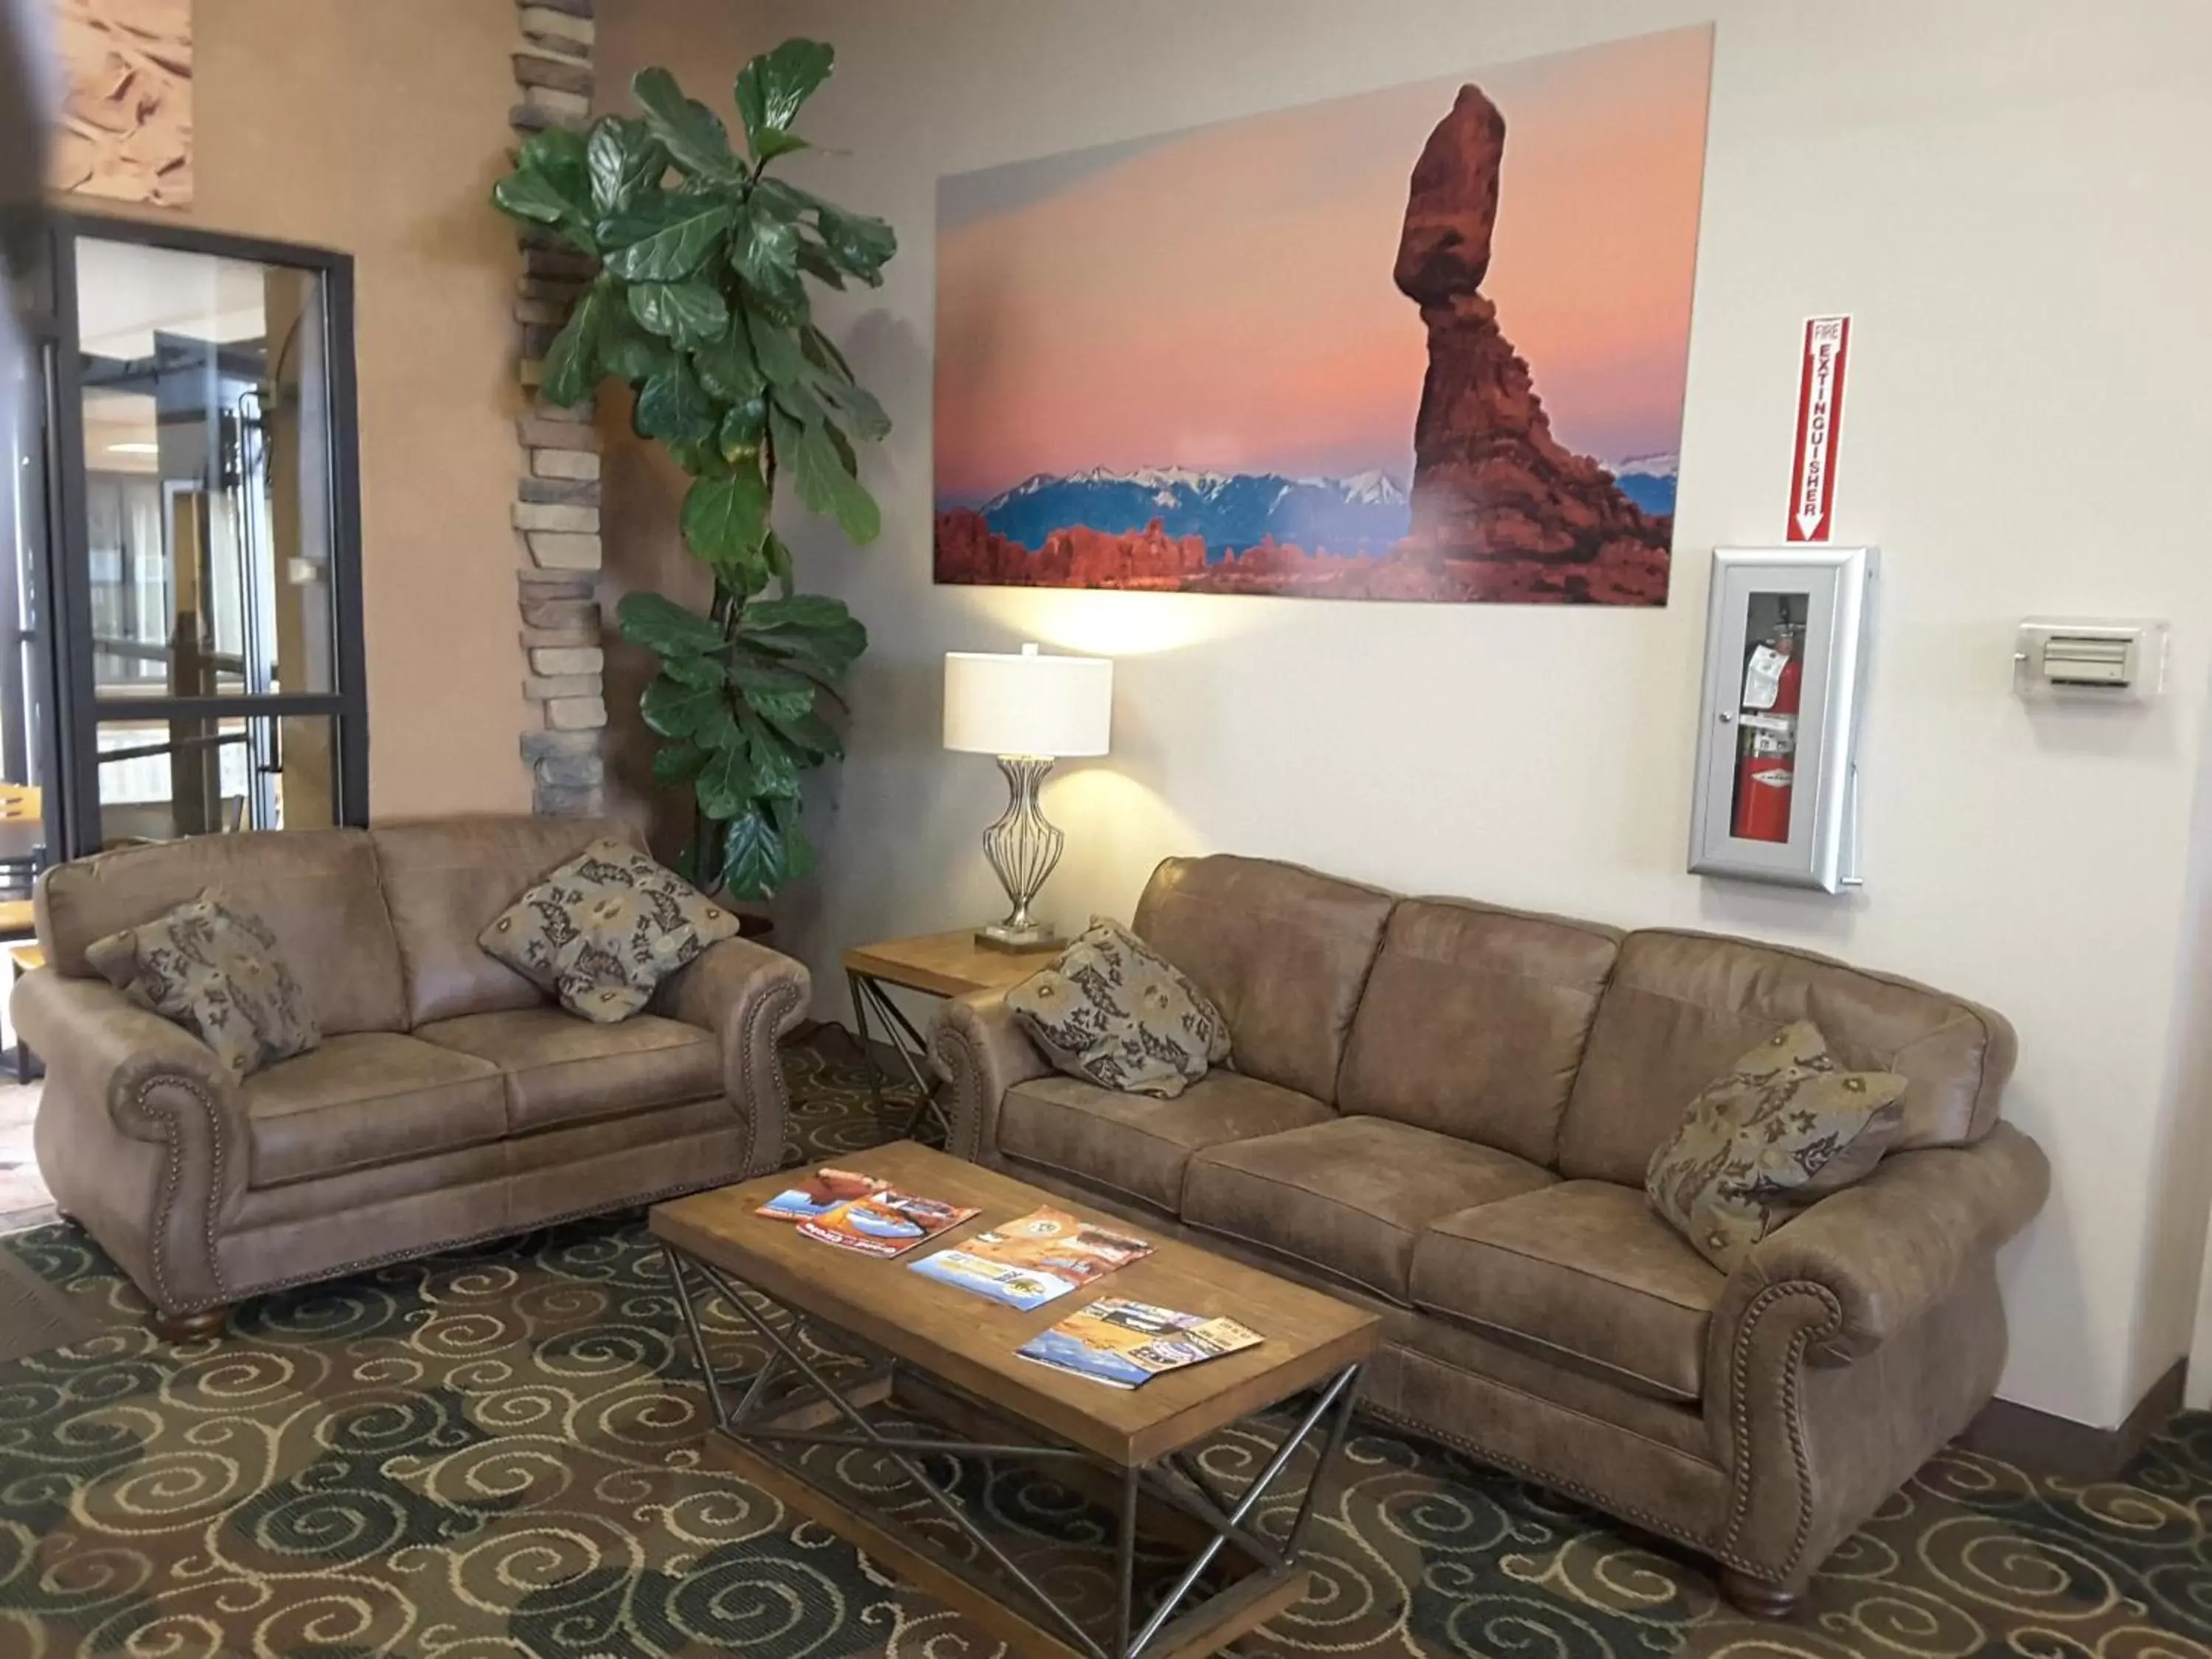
(2044, 1444)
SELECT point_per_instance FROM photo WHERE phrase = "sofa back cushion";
(446, 880)
(1473, 1021)
(1682, 1007)
(317, 890)
(1282, 952)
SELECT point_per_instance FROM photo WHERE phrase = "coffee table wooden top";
(968, 1340)
(947, 964)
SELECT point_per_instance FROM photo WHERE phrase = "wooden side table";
(935, 964)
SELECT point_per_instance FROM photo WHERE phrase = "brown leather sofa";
(1444, 1111)
(450, 1100)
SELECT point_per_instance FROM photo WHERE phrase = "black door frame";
(73, 800)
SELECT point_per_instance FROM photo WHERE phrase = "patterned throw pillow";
(605, 928)
(1782, 1128)
(213, 968)
(1111, 1012)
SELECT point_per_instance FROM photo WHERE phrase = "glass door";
(209, 632)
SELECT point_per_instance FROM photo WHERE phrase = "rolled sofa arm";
(1895, 1245)
(750, 997)
(977, 1046)
(121, 1079)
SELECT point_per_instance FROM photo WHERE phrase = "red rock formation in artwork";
(1501, 508)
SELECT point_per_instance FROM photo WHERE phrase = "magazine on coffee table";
(1123, 1344)
(858, 1212)
(1026, 1263)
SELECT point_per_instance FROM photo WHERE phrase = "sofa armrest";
(1895, 1245)
(114, 1068)
(978, 1047)
(750, 997)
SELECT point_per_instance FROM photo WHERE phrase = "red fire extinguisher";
(1767, 752)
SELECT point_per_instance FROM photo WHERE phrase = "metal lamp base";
(1022, 848)
(1038, 936)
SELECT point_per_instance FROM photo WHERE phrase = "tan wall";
(377, 130)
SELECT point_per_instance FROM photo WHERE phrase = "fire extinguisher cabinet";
(1776, 789)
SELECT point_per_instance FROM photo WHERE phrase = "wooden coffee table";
(946, 1357)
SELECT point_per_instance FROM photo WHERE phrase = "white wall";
(2008, 196)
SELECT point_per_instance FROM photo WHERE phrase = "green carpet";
(494, 1452)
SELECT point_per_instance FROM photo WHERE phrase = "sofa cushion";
(1783, 1127)
(601, 930)
(447, 879)
(1682, 1006)
(1347, 1198)
(215, 969)
(559, 1069)
(1582, 1273)
(1110, 1012)
(1473, 1021)
(317, 890)
(1136, 1146)
(1281, 951)
(365, 1099)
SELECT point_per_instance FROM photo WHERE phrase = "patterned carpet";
(495, 1452)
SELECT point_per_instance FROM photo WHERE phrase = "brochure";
(858, 1213)
(1026, 1263)
(819, 1193)
(1123, 1344)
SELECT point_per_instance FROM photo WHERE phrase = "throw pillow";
(603, 929)
(1110, 1012)
(213, 966)
(1783, 1127)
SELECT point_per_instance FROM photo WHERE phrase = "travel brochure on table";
(1123, 1344)
(1027, 1262)
(858, 1213)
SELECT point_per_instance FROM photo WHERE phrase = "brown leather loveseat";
(450, 1100)
(1443, 1109)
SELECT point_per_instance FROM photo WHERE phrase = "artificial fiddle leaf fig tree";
(701, 305)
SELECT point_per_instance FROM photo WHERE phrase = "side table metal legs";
(872, 1007)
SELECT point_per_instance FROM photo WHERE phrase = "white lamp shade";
(1030, 704)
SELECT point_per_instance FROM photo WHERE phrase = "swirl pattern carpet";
(495, 1452)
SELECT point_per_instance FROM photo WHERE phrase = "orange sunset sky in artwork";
(1220, 298)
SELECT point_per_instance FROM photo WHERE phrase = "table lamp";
(1028, 711)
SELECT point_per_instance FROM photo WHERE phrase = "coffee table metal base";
(749, 1427)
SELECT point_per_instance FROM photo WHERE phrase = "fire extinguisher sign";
(1820, 426)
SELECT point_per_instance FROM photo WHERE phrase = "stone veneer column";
(557, 507)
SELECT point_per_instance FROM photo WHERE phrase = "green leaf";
(689, 313)
(824, 484)
(752, 855)
(811, 631)
(677, 710)
(664, 239)
(744, 426)
(798, 852)
(693, 135)
(625, 161)
(701, 671)
(572, 362)
(863, 244)
(725, 784)
(764, 252)
(858, 407)
(531, 196)
(812, 735)
(816, 262)
(779, 706)
(673, 408)
(772, 87)
(725, 365)
(778, 557)
(819, 350)
(751, 677)
(675, 763)
(775, 767)
(725, 519)
(628, 350)
(774, 350)
(664, 626)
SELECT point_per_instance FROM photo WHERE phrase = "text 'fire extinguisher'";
(1766, 752)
